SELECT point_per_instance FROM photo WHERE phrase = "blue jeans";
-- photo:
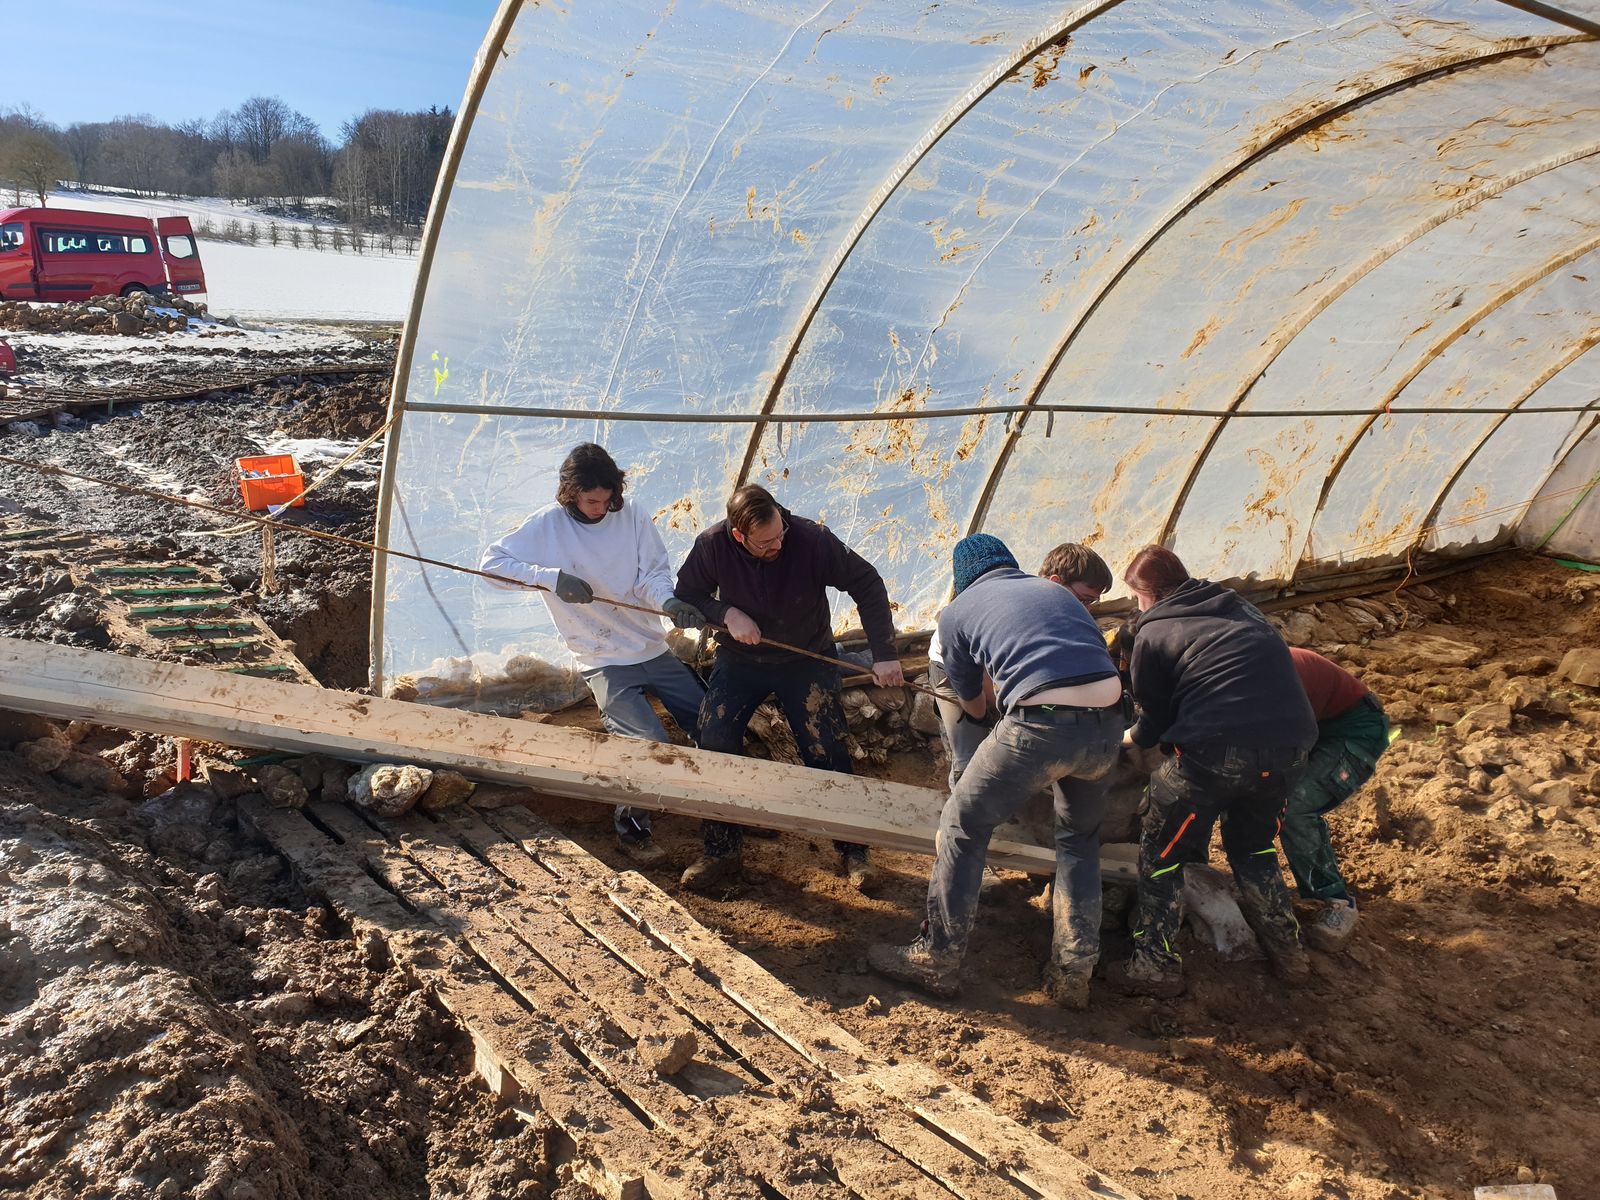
(1031, 747)
(623, 694)
(808, 694)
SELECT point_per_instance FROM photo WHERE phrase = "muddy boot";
(858, 869)
(916, 964)
(713, 874)
(1069, 989)
(1331, 928)
(642, 852)
(1275, 927)
(1141, 976)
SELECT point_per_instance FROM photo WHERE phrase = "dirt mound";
(177, 1019)
(130, 316)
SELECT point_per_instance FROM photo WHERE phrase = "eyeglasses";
(1085, 592)
(756, 547)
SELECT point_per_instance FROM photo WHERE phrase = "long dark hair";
(586, 468)
(1156, 571)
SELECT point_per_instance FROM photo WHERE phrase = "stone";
(1478, 780)
(389, 789)
(1522, 695)
(1581, 665)
(336, 780)
(1430, 650)
(127, 324)
(1512, 813)
(925, 715)
(225, 779)
(1552, 814)
(448, 789)
(1441, 791)
(1402, 712)
(666, 1053)
(89, 771)
(311, 769)
(45, 754)
(24, 727)
(1484, 717)
(1559, 792)
(282, 786)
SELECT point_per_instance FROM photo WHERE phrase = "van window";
(179, 245)
(138, 245)
(61, 242)
(110, 243)
(11, 237)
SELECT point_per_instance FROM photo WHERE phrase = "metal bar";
(477, 83)
(1561, 16)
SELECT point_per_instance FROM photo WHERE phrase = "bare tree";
(31, 161)
(82, 144)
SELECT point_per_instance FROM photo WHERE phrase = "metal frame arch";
(489, 53)
(1072, 20)
(1572, 355)
(1437, 348)
(1382, 84)
(1288, 331)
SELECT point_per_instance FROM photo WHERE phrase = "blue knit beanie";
(976, 555)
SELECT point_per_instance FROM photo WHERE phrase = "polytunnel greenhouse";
(1299, 290)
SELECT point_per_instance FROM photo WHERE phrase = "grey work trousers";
(962, 734)
(623, 694)
(1031, 747)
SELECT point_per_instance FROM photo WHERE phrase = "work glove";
(572, 589)
(683, 614)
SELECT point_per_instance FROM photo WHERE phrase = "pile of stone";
(129, 316)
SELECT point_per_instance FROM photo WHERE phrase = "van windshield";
(11, 235)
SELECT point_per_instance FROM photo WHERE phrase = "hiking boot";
(1069, 989)
(858, 869)
(708, 874)
(916, 964)
(1141, 977)
(1331, 928)
(642, 852)
(1290, 963)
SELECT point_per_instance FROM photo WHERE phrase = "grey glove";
(684, 615)
(572, 589)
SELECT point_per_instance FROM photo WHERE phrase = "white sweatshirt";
(621, 556)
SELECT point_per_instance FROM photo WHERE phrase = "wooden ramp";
(583, 991)
(183, 701)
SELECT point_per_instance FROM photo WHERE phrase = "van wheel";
(135, 287)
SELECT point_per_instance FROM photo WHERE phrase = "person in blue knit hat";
(1031, 645)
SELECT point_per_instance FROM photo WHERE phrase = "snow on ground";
(275, 282)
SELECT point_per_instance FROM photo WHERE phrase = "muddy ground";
(176, 1018)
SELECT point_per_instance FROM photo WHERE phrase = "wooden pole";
(193, 702)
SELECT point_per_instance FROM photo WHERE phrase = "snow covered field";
(280, 282)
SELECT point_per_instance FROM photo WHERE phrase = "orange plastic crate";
(281, 482)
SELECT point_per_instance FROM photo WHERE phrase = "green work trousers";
(1347, 751)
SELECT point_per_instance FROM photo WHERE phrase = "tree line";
(264, 153)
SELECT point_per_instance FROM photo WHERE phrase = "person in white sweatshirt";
(588, 543)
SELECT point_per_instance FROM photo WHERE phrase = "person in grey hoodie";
(1218, 692)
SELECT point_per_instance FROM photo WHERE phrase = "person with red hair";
(1218, 692)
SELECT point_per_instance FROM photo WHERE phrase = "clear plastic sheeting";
(727, 210)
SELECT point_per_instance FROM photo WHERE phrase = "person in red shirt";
(1352, 732)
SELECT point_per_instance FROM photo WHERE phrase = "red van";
(72, 254)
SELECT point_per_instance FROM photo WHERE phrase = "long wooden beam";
(167, 698)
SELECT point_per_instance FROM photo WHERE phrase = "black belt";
(1061, 711)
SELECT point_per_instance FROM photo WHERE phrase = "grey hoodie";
(1207, 667)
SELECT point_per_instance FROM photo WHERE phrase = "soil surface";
(178, 1019)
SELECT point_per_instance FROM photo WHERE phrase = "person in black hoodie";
(765, 572)
(1217, 690)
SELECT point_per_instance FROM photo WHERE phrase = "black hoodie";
(1207, 667)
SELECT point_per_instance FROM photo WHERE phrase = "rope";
(268, 524)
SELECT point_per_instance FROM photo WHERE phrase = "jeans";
(1246, 788)
(962, 734)
(808, 694)
(623, 694)
(1030, 748)
(1344, 758)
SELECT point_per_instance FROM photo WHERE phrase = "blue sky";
(91, 60)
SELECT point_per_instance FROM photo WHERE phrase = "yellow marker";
(440, 376)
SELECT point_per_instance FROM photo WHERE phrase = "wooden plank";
(999, 1141)
(545, 852)
(633, 1159)
(195, 702)
(748, 1136)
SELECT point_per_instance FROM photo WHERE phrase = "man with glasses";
(764, 572)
